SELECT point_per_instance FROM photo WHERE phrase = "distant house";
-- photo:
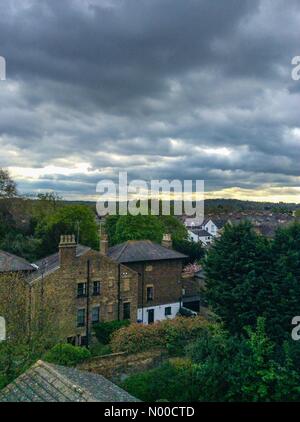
(214, 226)
(159, 268)
(200, 235)
(45, 382)
(204, 230)
(192, 223)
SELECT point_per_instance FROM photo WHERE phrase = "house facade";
(200, 235)
(159, 268)
(86, 287)
(139, 280)
(213, 226)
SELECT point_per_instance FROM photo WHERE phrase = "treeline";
(31, 228)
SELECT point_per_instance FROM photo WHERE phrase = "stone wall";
(60, 288)
(119, 366)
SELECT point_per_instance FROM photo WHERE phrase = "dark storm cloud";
(160, 88)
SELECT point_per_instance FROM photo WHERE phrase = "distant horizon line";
(92, 201)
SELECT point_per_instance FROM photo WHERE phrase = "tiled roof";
(220, 223)
(142, 250)
(201, 233)
(45, 382)
(13, 263)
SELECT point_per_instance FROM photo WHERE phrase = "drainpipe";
(119, 290)
(88, 305)
(142, 274)
(29, 313)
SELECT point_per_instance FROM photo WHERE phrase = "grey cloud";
(147, 86)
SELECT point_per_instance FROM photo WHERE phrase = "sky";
(161, 89)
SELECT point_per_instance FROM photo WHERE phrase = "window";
(81, 289)
(168, 311)
(149, 293)
(96, 288)
(95, 314)
(126, 310)
(81, 318)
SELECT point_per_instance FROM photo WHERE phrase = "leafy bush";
(244, 369)
(66, 354)
(99, 349)
(173, 381)
(104, 330)
(170, 334)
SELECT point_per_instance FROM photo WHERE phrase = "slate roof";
(201, 233)
(13, 263)
(142, 250)
(50, 263)
(45, 382)
(219, 222)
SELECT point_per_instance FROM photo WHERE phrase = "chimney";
(167, 241)
(67, 250)
(103, 243)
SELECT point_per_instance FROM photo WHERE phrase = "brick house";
(159, 268)
(88, 287)
(137, 280)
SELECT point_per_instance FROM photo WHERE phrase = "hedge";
(172, 335)
(66, 354)
(104, 330)
(171, 382)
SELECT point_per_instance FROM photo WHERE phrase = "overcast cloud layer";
(185, 89)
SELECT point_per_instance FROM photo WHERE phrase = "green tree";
(238, 270)
(30, 329)
(139, 227)
(193, 250)
(8, 187)
(175, 227)
(110, 228)
(243, 369)
(173, 381)
(284, 281)
(71, 219)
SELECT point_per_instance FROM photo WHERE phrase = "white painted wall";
(192, 236)
(206, 240)
(211, 228)
(159, 312)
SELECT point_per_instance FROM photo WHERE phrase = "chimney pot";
(67, 250)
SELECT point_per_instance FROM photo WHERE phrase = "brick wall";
(164, 276)
(60, 288)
